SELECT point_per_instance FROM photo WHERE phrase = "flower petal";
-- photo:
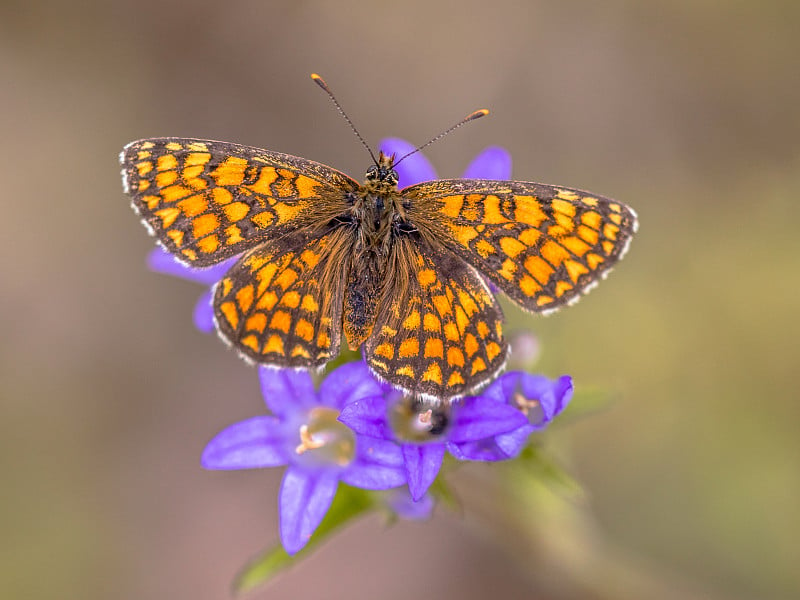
(562, 392)
(482, 450)
(367, 416)
(477, 418)
(204, 313)
(500, 447)
(349, 382)
(513, 442)
(423, 462)
(415, 169)
(250, 444)
(305, 497)
(492, 163)
(502, 389)
(161, 261)
(551, 395)
(287, 391)
(378, 465)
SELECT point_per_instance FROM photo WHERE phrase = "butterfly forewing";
(542, 245)
(207, 201)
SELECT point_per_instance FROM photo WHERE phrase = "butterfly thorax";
(378, 218)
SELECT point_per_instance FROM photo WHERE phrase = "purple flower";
(424, 434)
(161, 261)
(492, 163)
(540, 399)
(492, 426)
(304, 434)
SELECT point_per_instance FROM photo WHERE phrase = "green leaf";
(348, 504)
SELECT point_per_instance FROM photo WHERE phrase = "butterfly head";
(382, 176)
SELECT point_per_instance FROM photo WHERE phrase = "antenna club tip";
(319, 81)
(478, 114)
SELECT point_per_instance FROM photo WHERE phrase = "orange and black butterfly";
(402, 273)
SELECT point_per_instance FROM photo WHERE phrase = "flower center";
(325, 440)
(530, 407)
(414, 422)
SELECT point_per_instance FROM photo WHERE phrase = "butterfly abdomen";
(376, 225)
(361, 297)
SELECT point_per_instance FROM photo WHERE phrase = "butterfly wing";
(542, 245)
(281, 303)
(439, 333)
(206, 201)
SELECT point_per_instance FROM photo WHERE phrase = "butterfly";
(403, 274)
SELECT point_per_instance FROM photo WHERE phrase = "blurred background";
(686, 110)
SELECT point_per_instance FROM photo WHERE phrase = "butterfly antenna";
(470, 117)
(321, 83)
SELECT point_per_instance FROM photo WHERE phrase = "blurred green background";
(686, 110)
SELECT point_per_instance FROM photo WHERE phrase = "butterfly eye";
(372, 172)
(392, 177)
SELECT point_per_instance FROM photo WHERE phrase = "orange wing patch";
(542, 245)
(207, 201)
(441, 336)
(274, 307)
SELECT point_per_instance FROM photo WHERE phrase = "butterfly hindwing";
(279, 305)
(439, 333)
